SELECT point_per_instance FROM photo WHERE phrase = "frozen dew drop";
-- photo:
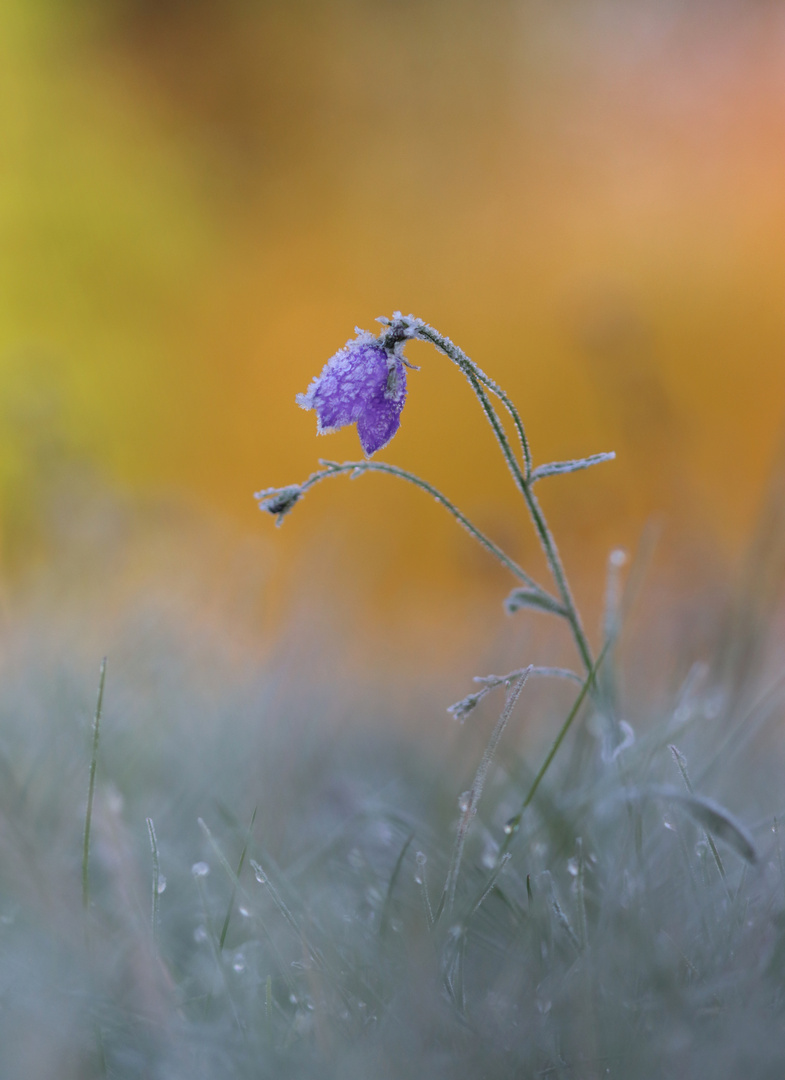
(489, 855)
(512, 826)
(200, 935)
(115, 801)
(618, 557)
(384, 833)
(293, 999)
(238, 964)
(258, 873)
(200, 869)
(161, 884)
(572, 866)
(244, 912)
(396, 926)
(421, 859)
(465, 801)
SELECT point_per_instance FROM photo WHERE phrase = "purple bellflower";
(363, 384)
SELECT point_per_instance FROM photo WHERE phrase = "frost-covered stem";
(591, 679)
(156, 873)
(472, 371)
(473, 796)
(332, 468)
(557, 570)
(478, 381)
(91, 788)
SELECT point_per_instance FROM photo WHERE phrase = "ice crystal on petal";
(363, 384)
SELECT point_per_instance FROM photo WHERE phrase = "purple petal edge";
(362, 384)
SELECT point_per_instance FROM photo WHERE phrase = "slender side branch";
(269, 500)
(461, 709)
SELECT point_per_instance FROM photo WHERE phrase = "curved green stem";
(556, 568)
(449, 348)
(332, 468)
(479, 381)
(91, 788)
(516, 419)
(591, 679)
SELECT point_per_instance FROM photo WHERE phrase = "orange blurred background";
(199, 200)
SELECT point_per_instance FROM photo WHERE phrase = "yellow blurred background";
(199, 200)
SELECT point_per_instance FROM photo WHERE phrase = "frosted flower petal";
(363, 384)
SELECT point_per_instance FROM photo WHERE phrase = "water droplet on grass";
(200, 869)
(161, 886)
(421, 859)
(489, 854)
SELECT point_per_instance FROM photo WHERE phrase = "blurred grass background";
(198, 202)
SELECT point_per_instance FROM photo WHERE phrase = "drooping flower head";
(363, 384)
(279, 501)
